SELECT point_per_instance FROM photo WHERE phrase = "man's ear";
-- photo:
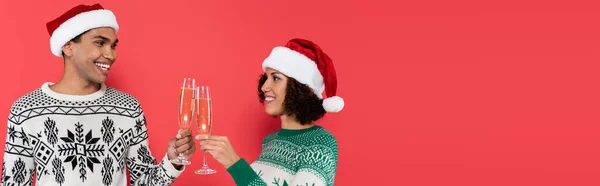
(67, 49)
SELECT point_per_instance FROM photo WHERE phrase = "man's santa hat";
(78, 20)
(304, 61)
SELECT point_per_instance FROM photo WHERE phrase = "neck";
(290, 122)
(72, 84)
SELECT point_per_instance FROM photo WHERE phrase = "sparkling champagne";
(185, 108)
(203, 115)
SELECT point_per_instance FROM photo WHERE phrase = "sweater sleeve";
(142, 166)
(18, 164)
(244, 175)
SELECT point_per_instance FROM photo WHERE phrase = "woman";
(300, 153)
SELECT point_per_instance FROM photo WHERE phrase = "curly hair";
(300, 101)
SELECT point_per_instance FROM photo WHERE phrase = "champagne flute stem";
(205, 164)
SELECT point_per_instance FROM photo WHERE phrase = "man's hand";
(182, 143)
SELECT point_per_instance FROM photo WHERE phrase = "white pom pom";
(333, 104)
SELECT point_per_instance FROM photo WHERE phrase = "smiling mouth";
(269, 99)
(103, 66)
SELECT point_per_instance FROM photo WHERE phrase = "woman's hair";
(300, 101)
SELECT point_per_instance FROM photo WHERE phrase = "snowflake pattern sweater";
(306, 157)
(80, 140)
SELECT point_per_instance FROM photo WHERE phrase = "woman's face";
(274, 91)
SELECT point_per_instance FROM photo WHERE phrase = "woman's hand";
(220, 148)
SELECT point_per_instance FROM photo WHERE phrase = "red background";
(437, 92)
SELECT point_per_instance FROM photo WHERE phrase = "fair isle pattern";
(318, 153)
(37, 104)
(281, 154)
(258, 182)
(302, 157)
(70, 142)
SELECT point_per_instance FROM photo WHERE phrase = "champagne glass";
(203, 120)
(186, 113)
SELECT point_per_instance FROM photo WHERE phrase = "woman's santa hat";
(78, 20)
(304, 61)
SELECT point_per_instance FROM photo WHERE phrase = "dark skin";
(82, 76)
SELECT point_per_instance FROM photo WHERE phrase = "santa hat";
(78, 20)
(304, 61)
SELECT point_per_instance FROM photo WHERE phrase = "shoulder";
(120, 98)
(320, 153)
(29, 105)
(320, 148)
(29, 100)
(270, 137)
(321, 137)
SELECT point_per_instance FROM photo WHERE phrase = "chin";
(270, 113)
(273, 113)
(99, 80)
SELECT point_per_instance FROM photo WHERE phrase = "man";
(79, 131)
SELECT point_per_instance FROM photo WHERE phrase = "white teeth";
(103, 66)
(269, 98)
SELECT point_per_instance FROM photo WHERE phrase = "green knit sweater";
(306, 157)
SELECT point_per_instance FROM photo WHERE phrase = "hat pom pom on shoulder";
(333, 104)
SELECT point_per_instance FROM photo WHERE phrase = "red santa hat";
(77, 20)
(304, 61)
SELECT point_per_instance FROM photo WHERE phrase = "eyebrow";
(105, 38)
(275, 73)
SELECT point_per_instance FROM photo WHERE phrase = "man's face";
(93, 56)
